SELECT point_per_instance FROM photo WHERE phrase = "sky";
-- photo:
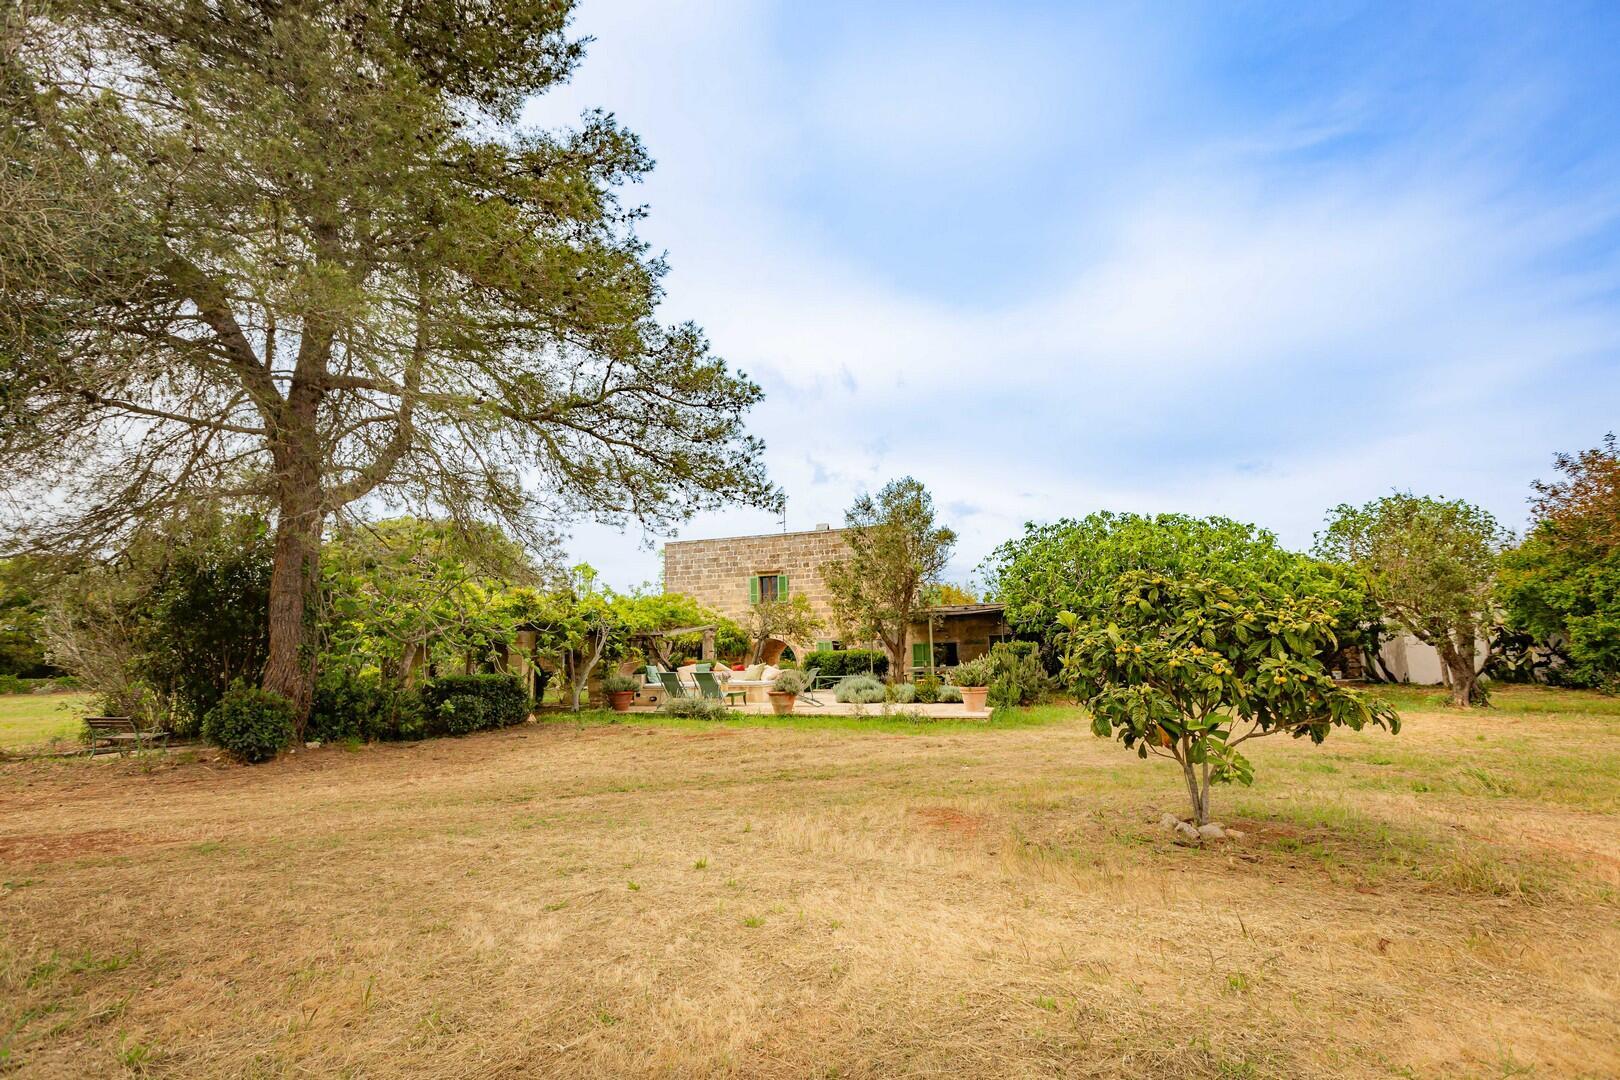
(1243, 259)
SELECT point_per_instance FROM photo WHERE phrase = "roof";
(948, 610)
(756, 536)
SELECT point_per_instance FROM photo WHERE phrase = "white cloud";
(1231, 330)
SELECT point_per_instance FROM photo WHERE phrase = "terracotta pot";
(973, 697)
(782, 704)
(621, 699)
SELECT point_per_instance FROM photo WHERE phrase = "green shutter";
(753, 589)
(781, 586)
(919, 654)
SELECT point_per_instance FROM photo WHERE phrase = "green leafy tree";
(896, 551)
(1430, 564)
(1071, 564)
(791, 620)
(650, 616)
(576, 626)
(302, 255)
(1563, 583)
(1188, 660)
(404, 593)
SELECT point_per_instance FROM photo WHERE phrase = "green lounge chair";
(672, 685)
(709, 686)
(809, 691)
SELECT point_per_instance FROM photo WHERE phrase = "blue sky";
(1241, 259)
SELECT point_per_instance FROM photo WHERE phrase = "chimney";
(822, 526)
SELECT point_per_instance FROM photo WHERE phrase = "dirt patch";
(952, 820)
(52, 847)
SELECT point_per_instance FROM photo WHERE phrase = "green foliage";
(790, 682)
(1430, 565)
(306, 254)
(1191, 665)
(366, 707)
(406, 592)
(859, 690)
(460, 704)
(973, 673)
(695, 708)
(788, 620)
(251, 724)
(24, 582)
(896, 554)
(900, 693)
(1018, 679)
(207, 622)
(848, 662)
(1563, 583)
(949, 695)
(1070, 565)
(926, 689)
(620, 684)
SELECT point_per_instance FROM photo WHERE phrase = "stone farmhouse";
(731, 573)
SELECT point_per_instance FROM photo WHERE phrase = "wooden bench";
(115, 733)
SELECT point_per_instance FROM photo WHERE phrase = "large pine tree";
(302, 254)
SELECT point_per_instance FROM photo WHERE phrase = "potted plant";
(786, 690)
(973, 679)
(621, 690)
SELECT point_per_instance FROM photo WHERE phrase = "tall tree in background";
(895, 550)
(1430, 564)
(1563, 582)
(301, 254)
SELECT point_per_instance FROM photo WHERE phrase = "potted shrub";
(786, 690)
(973, 679)
(621, 691)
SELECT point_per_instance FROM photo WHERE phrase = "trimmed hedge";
(250, 723)
(459, 704)
(349, 706)
(848, 662)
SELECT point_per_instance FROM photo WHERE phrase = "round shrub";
(350, 706)
(900, 694)
(858, 690)
(977, 672)
(790, 682)
(458, 704)
(695, 708)
(620, 684)
(249, 723)
(949, 695)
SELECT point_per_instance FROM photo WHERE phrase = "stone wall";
(971, 633)
(715, 573)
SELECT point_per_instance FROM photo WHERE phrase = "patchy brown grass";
(632, 899)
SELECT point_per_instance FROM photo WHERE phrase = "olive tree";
(1430, 564)
(1189, 662)
(302, 256)
(896, 551)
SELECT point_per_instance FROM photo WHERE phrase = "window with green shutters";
(919, 654)
(767, 587)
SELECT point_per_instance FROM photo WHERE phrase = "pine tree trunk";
(294, 576)
(295, 571)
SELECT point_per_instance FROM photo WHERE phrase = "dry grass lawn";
(763, 901)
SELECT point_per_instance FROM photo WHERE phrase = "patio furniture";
(673, 685)
(809, 691)
(755, 689)
(709, 687)
(118, 732)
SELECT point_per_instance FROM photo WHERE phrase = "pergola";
(653, 641)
